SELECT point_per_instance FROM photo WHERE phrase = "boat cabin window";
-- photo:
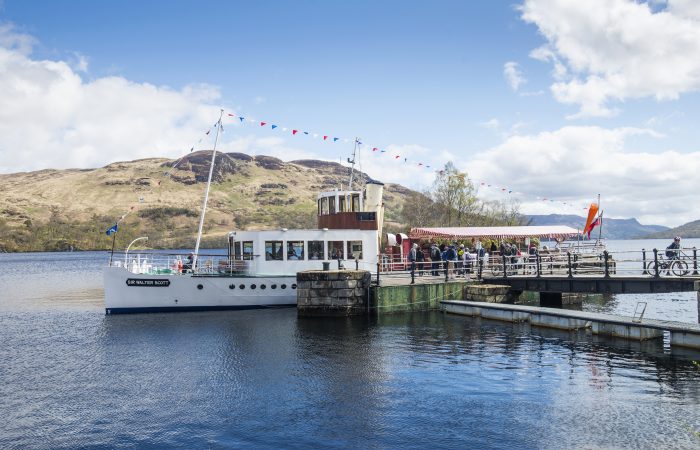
(295, 250)
(237, 256)
(341, 204)
(355, 249)
(335, 250)
(323, 205)
(356, 202)
(331, 205)
(317, 250)
(273, 251)
(247, 250)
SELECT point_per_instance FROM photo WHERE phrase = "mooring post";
(378, 267)
(446, 270)
(357, 264)
(480, 268)
(539, 266)
(568, 257)
(606, 255)
(656, 263)
(695, 261)
(505, 271)
(644, 262)
(413, 272)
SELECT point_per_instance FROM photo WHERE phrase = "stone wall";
(489, 293)
(332, 293)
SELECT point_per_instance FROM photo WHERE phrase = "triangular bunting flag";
(274, 126)
(262, 124)
(242, 118)
(375, 149)
(335, 139)
(295, 131)
(325, 137)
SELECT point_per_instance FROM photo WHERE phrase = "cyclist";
(672, 250)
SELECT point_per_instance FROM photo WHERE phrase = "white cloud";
(605, 51)
(513, 75)
(491, 124)
(51, 117)
(573, 164)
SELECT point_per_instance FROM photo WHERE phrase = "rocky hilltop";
(60, 209)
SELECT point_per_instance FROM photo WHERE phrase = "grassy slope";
(51, 209)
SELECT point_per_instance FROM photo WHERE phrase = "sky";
(546, 103)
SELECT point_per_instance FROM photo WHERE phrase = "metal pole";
(114, 236)
(644, 262)
(413, 272)
(446, 271)
(656, 263)
(481, 268)
(206, 193)
(505, 272)
(378, 266)
(568, 257)
(607, 269)
(695, 261)
(539, 266)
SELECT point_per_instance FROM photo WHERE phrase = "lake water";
(71, 377)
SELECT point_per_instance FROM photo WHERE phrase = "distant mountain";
(612, 228)
(689, 230)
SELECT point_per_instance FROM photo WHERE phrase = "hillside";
(689, 230)
(59, 209)
(612, 228)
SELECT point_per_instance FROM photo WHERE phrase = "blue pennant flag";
(306, 132)
(242, 118)
(112, 230)
(274, 126)
(335, 139)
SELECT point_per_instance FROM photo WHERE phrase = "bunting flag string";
(375, 150)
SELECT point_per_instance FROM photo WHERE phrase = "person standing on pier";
(435, 258)
(412, 254)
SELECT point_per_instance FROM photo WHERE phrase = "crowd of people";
(460, 259)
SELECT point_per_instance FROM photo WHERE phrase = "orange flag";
(592, 211)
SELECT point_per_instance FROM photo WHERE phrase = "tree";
(455, 196)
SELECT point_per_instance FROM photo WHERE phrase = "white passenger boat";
(260, 267)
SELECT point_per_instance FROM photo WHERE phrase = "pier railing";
(638, 263)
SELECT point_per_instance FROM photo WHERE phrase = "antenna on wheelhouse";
(206, 193)
(352, 161)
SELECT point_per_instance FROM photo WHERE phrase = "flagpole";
(600, 225)
(111, 255)
(206, 194)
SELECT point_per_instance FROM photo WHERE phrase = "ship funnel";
(374, 191)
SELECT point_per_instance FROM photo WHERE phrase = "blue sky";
(547, 98)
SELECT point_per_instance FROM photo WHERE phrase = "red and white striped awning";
(520, 232)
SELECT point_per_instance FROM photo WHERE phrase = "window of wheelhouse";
(335, 250)
(247, 250)
(331, 205)
(355, 202)
(237, 256)
(273, 250)
(317, 250)
(341, 204)
(355, 249)
(295, 250)
(323, 202)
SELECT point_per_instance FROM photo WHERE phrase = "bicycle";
(675, 266)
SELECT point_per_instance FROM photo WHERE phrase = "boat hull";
(127, 292)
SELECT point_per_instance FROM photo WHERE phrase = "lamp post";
(126, 254)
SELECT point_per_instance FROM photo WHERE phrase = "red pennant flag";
(375, 149)
(593, 225)
(396, 157)
(295, 131)
(420, 164)
(325, 137)
(232, 115)
(262, 124)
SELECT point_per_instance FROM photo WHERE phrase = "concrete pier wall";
(333, 293)
(682, 334)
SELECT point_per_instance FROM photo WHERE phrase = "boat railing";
(158, 263)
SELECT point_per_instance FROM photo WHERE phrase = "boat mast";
(352, 162)
(206, 193)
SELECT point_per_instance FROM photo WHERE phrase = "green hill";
(60, 209)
